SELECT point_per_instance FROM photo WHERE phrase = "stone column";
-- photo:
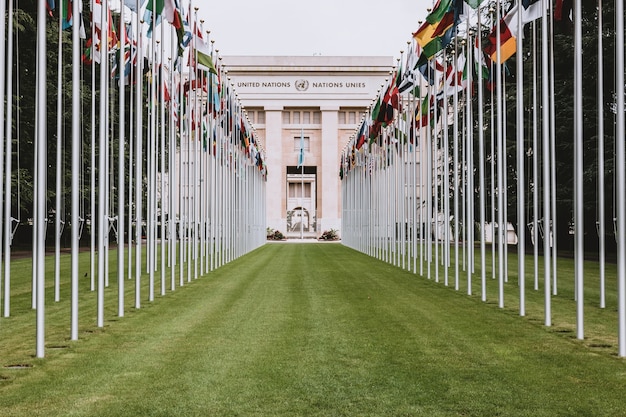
(329, 216)
(276, 216)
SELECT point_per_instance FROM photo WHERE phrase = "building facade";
(313, 103)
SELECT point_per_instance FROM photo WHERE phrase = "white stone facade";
(321, 99)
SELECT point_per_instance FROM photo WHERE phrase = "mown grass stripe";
(316, 330)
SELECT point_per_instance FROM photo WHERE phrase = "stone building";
(314, 102)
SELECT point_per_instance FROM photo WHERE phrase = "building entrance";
(301, 202)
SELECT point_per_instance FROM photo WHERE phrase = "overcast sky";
(315, 27)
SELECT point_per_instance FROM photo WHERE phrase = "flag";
(301, 154)
(562, 8)
(409, 77)
(474, 3)
(360, 139)
(132, 4)
(508, 35)
(50, 6)
(509, 31)
(66, 14)
(202, 52)
(454, 80)
(439, 28)
(425, 33)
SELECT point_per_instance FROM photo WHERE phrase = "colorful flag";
(531, 10)
(201, 53)
(474, 3)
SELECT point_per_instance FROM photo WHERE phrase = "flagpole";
(92, 209)
(620, 169)
(600, 174)
(162, 119)
(481, 169)
(121, 247)
(536, 190)
(102, 172)
(8, 229)
(500, 163)
(457, 185)
(76, 167)
(521, 201)
(39, 236)
(547, 221)
(139, 105)
(59, 150)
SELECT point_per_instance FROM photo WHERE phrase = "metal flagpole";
(579, 214)
(481, 167)
(162, 201)
(536, 179)
(469, 185)
(121, 247)
(39, 235)
(102, 172)
(58, 167)
(546, 168)
(553, 155)
(457, 189)
(620, 174)
(500, 162)
(6, 137)
(8, 221)
(600, 179)
(521, 201)
(138, 159)
(76, 167)
(92, 209)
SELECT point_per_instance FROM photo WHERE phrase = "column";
(276, 216)
(329, 217)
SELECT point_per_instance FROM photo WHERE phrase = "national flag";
(409, 77)
(425, 33)
(509, 30)
(361, 139)
(201, 53)
(454, 80)
(134, 4)
(422, 112)
(479, 59)
(66, 13)
(439, 28)
(508, 35)
(50, 6)
(562, 9)
(474, 3)
(301, 154)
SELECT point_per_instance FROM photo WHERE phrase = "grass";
(315, 330)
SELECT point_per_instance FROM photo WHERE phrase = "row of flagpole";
(185, 179)
(398, 172)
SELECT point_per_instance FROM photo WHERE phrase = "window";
(297, 117)
(296, 144)
(341, 117)
(295, 190)
(352, 118)
(251, 116)
(260, 117)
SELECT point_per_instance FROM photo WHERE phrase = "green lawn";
(313, 330)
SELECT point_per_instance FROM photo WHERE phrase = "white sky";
(326, 27)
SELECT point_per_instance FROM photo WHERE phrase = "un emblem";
(302, 85)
